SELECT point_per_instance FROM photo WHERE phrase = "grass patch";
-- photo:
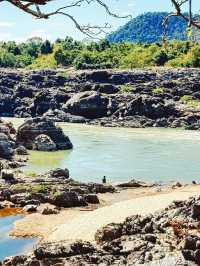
(190, 101)
(127, 88)
(158, 90)
(63, 74)
(40, 188)
(32, 174)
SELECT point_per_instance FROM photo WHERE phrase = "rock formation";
(138, 98)
(42, 134)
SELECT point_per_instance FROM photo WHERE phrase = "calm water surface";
(120, 154)
(12, 246)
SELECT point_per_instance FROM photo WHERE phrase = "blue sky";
(16, 25)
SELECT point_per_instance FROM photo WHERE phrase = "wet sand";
(10, 211)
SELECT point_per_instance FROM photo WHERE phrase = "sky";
(18, 26)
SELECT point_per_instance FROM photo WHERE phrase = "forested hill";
(147, 28)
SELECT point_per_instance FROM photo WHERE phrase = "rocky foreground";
(139, 98)
(168, 237)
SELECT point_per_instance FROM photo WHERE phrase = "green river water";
(151, 154)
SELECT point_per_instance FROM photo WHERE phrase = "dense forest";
(148, 28)
(67, 52)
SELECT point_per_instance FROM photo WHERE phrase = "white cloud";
(39, 33)
(4, 36)
(6, 24)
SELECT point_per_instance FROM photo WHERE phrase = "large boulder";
(7, 128)
(59, 173)
(7, 175)
(151, 107)
(27, 134)
(68, 199)
(43, 101)
(89, 104)
(60, 116)
(6, 147)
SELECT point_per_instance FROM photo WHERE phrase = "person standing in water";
(104, 180)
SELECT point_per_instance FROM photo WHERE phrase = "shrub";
(44, 61)
(40, 188)
(7, 59)
(158, 91)
(190, 101)
(160, 58)
(186, 98)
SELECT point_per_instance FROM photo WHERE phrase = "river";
(150, 154)
(12, 246)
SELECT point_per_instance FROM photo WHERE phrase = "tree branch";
(33, 7)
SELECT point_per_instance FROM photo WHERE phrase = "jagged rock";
(88, 104)
(68, 199)
(196, 210)
(61, 116)
(92, 198)
(32, 128)
(44, 143)
(7, 175)
(136, 98)
(59, 173)
(21, 150)
(30, 208)
(63, 250)
(49, 210)
(101, 188)
(6, 147)
(134, 183)
(108, 233)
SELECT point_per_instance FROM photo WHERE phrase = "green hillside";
(148, 28)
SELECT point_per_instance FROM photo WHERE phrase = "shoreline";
(113, 208)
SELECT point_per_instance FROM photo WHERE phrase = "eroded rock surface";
(138, 98)
(168, 237)
(42, 134)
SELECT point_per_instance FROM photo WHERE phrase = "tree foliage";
(98, 55)
(148, 28)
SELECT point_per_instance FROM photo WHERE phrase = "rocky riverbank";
(139, 98)
(169, 236)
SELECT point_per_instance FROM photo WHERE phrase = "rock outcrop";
(44, 143)
(54, 187)
(137, 98)
(88, 104)
(8, 146)
(168, 237)
(42, 134)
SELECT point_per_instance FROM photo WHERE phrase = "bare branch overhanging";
(178, 6)
(34, 8)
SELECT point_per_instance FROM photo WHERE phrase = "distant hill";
(147, 28)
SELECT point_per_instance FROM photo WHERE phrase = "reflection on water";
(12, 246)
(121, 154)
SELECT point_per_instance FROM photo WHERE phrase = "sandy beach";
(82, 223)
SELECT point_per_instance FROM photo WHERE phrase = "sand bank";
(82, 224)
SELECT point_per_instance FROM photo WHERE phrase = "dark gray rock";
(32, 128)
(88, 104)
(68, 200)
(59, 173)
